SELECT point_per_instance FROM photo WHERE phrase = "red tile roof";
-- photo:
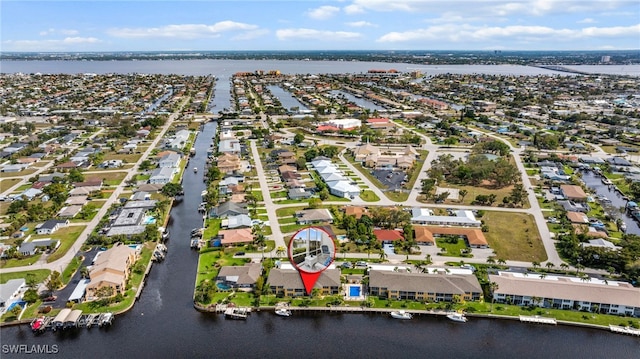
(388, 234)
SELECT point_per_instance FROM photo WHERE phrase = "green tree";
(171, 189)
(54, 282)
(298, 138)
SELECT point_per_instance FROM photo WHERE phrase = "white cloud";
(353, 9)
(52, 31)
(183, 31)
(49, 45)
(461, 32)
(319, 35)
(323, 12)
(587, 20)
(361, 24)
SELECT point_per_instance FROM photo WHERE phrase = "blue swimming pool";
(354, 291)
(20, 303)
(149, 220)
(223, 286)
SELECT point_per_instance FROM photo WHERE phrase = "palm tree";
(491, 260)
(462, 194)
(501, 261)
(535, 300)
(550, 265)
(535, 264)
(382, 254)
(493, 286)
(428, 260)
(564, 266)
(281, 251)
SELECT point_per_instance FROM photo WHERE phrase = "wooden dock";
(538, 319)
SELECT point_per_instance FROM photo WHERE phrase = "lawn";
(210, 261)
(514, 236)
(369, 196)
(5, 184)
(40, 275)
(111, 178)
(473, 191)
(67, 236)
(212, 228)
(289, 211)
(71, 269)
(452, 249)
(15, 262)
(125, 158)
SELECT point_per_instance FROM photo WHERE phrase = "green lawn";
(111, 178)
(452, 249)
(289, 211)
(71, 269)
(210, 261)
(39, 275)
(212, 228)
(15, 262)
(514, 236)
(369, 196)
(5, 184)
(67, 236)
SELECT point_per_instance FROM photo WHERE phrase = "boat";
(38, 324)
(195, 169)
(401, 314)
(283, 312)
(457, 317)
(606, 181)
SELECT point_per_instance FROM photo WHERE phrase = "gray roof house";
(298, 193)
(423, 287)
(162, 175)
(244, 276)
(169, 160)
(237, 221)
(227, 209)
(52, 225)
(287, 282)
(309, 216)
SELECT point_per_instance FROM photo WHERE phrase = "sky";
(227, 25)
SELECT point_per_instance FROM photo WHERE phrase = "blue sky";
(116, 25)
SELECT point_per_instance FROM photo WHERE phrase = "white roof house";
(425, 216)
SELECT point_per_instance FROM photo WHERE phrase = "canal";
(617, 204)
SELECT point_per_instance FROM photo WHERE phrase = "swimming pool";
(223, 286)
(354, 291)
(149, 220)
(20, 303)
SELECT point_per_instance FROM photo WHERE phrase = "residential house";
(238, 221)
(50, 226)
(69, 211)
(111, 269)
(227, 209)
(423, 287)
(241, 277)
(171, 160)
(388, 236)
(426, 216)
(228, 163)
(298, 193)
(310, 216)
(594, 295)
(287, 282)
(231, 146)
(11, 292)
(356, 211)
(230, 237)
(573, 193)
(161, 175)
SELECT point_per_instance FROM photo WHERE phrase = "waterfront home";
(573, 193)
(11, 292)
(111, 269)
(550, 291)
(241, 277)
(237, 221)
(227, 209)
(228, 163)
(284, 282)
(309, 216)
(161, 175)
(171, 160)
(229, 237)
(423, 287)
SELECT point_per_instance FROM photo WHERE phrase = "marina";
(69, 319)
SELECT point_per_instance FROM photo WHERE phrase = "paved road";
(66, 259)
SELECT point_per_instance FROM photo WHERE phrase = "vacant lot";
(514, 236)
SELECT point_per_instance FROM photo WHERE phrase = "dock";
(68, 319)
(538, 319)
(624, 330)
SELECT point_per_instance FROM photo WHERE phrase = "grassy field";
(210, 261)
(67, 236)
(73, 266)
(514, 236)
(369, 196)
(473, 191)
(110, 178)
(452, 249)
(5, 184)
(40, 275)
(15, 262)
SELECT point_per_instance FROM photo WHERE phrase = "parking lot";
(392, 179)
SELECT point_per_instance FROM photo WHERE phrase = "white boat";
(401, 314)
(457, 317)
(195, 169)
(283, 312)
(236, 313)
